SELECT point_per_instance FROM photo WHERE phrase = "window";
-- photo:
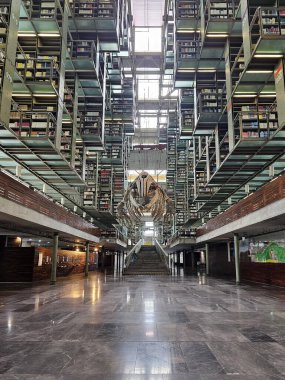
(147, 40)
(148, 122)
(163, 120)
(148, 89)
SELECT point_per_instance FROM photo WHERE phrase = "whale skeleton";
(144, 195)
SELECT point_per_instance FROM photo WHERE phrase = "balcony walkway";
(24, 209)
(258, 213)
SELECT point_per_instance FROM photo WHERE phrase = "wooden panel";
(267, 194)
(17, 264)
(266, 273)
(23, 195)
(69, 262)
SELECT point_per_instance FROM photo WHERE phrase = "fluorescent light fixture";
(141, 70)
(259, 71)
(21, 95)
(186, 71)
(217, 35)
(268, 55)
(267, 96)
(45, 95)
(25, 34)
(245, 95)
(49, 35)
(185, 31)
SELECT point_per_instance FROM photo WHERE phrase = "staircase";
(148, 262)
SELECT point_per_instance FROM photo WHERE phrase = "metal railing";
(226, 12)
(132, 254)
(33, 124)
(83, 50)
(96, 9)
(163, 255)
(186, 9)
(267, 21)
(255, 124)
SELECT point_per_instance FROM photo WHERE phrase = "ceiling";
(148, 12)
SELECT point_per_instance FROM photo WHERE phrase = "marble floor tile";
(141, 328)
(241, 359)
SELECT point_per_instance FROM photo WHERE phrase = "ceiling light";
(21, 95)
(185, 31)
(49, 35)
(259, 71)
(244, 95)
(268, 55)
(217, 35)
(186, 71)
(45, 95)
(21, 34)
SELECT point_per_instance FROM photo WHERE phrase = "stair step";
(147, 263)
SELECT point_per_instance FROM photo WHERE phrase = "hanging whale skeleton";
(144, 195)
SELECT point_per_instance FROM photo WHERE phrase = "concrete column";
(87, 258)
(54, 259)
(192, 261)
(207, 258)
(237, 264)
(229, 251)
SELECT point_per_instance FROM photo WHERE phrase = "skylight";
(147, 40)
(148, 89)
(148, 122)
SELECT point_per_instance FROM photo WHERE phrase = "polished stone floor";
(142, 328)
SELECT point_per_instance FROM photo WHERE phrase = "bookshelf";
(105, 188)
(272, 21)
(113, 131)
(188, 46)
(220, 9)
(256, 121)
(118, 187)
(33, 124)
(82, 49)
(46, 9)
(113, 153)
(211, 100)
(4, 16)
(187, 9)
(92, 123)
(181, 182)
(95, 8)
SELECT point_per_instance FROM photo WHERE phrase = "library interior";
(142, 189)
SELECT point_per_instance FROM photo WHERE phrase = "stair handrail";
(163, 255)
(136, 248)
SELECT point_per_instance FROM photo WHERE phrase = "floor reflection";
(142, 328)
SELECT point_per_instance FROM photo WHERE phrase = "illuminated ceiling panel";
(148, 12)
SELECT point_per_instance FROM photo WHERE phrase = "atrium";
(142, 189)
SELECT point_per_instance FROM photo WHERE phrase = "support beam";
(207, 258)
(54, 259)
(192, 261)
(237, 263)
(87, 259)
(229, 251)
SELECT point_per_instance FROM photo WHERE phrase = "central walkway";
(142, 328)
